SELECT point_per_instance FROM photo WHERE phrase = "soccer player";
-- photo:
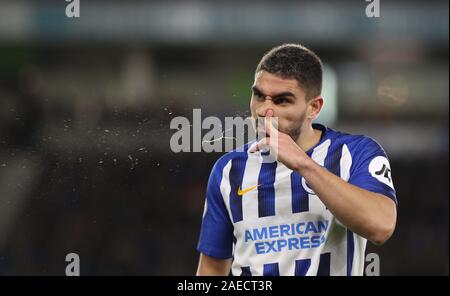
(312, 210)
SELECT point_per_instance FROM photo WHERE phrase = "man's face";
(285, 97)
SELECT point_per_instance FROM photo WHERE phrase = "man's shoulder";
(356, 143)
(350, 139)
(238, 154)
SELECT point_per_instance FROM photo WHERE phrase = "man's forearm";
(368, 214)
(212, 266)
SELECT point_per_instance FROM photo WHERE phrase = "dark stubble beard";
(292, 131)
(295, 129)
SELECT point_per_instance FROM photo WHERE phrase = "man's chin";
(294, 135)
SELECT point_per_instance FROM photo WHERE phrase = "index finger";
(268, 123)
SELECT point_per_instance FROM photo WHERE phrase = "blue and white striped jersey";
(265, 217)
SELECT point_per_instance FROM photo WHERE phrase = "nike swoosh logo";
(244, 191)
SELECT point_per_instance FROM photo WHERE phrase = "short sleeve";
(216, 234)
(371, 169)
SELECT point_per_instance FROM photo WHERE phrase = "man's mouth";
(261, 124)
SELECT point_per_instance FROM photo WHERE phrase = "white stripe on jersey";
(283, 191)
(358, 257)
(339, 263)
(315, 204)
(225, 187)
(250, 178)
(319, 154)
(345, 163)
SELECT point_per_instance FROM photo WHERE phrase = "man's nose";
(266, 105)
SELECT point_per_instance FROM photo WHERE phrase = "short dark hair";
(295, 61)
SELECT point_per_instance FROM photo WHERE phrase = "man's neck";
(309, 137)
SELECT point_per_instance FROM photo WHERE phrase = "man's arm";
(371, 215)
(212, 266)
(216, 233)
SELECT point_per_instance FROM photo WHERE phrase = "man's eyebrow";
(255, 89)
(283, 94)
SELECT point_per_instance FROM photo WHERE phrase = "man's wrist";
(304, 165)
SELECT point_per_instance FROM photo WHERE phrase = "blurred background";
(86, 104)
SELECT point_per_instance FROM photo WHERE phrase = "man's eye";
(281, 101)
(258, 95)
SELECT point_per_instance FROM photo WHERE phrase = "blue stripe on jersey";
(300, 198)
(350, 251)
(324, 265)
(266, 190)
(271, 269)
(246, 271)
(236, 175)
(333, 159)
(302, 266)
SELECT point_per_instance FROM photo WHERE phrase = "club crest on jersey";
(380, 169)
(306, 187)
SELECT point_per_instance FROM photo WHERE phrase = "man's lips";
(260, 122)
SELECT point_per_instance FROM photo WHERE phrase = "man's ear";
(315, 106)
